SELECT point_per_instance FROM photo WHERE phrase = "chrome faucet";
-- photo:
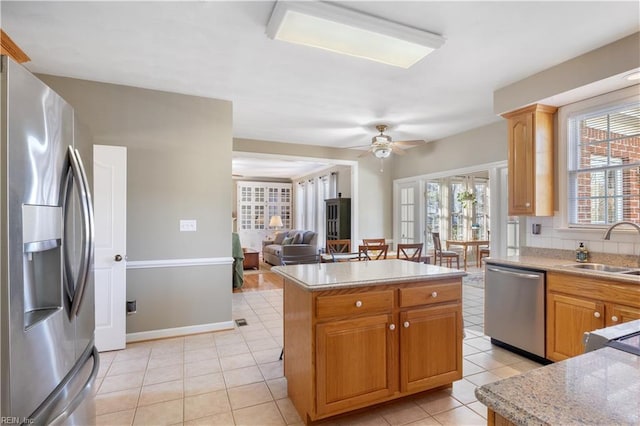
(607, 235)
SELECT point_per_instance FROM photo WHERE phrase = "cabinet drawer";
(354, 304)
(430, 294)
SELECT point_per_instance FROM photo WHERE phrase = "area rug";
(474, 279)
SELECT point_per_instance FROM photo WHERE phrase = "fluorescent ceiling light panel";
(330, 27)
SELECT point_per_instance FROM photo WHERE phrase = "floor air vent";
(240, 322)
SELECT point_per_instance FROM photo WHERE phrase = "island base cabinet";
(495, 419)
(431, 347)
(347, 349)
(354, 362)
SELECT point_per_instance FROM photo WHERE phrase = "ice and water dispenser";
(42, 262)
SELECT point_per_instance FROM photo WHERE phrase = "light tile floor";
(235, 377)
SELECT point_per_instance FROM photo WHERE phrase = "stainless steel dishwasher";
(514, 312)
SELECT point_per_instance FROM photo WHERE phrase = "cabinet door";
(521, 164)
(617, 314)
(355, 362)
(568, 318)
(430, 347)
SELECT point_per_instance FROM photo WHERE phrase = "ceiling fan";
(382, 145)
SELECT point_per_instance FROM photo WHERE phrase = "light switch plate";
(188, 225)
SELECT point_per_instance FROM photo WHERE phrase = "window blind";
(604, 166)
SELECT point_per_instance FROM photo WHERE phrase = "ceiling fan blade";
(397, 150)
(359, 146)
(411, 143)
(365, 153)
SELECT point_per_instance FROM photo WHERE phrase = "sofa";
(289, 243)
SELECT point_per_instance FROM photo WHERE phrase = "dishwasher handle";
(516, 274)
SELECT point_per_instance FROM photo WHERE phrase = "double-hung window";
(603, 159)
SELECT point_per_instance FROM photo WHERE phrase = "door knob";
(118, 258)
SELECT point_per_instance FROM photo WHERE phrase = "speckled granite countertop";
(324, 276)
(600, 387)
(559, 265)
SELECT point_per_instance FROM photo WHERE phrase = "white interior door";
(110, 205)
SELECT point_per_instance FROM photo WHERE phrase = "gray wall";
(178, 167)
(603, 63)
(481, 145)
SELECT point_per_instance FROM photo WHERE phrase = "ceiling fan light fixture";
(381, 139)
(382, 151)
(341, 30)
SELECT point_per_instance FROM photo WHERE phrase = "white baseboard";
(179, 331)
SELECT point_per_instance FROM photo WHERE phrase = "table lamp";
(275, 222)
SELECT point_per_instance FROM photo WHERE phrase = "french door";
(408, 213)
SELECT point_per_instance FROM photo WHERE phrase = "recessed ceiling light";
(330, 27)
(633, 76)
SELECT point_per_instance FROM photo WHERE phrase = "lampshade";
(275, 222)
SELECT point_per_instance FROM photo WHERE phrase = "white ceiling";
(290, 93)
(246, 166)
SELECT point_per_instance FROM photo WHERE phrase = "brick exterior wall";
(627, 150)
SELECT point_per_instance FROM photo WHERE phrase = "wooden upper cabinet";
(530, 160)
(10, 48)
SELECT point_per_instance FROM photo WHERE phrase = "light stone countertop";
(559, 265)
(600, 387)
(324, 276)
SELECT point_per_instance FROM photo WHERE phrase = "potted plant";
(467, 198)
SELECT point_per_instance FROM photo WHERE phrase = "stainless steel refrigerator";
(48, 362)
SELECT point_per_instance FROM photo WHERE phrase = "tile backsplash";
(624, 240)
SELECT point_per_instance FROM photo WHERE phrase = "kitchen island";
(362, 333)
(599, 387)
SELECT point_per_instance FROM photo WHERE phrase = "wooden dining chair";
(338, 246)
(375, 252)
(411, 252)
(483, 251)
(373, 241)
(447, 254)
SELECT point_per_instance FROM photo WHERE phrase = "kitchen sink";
(601, 267)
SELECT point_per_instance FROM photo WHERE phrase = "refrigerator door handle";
(87, 224)
(90, 239)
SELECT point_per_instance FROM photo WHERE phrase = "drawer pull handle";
(358, 304)
(434, 294)
(596, 314)
(392, 327)
(406, 324)
(614, 318)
